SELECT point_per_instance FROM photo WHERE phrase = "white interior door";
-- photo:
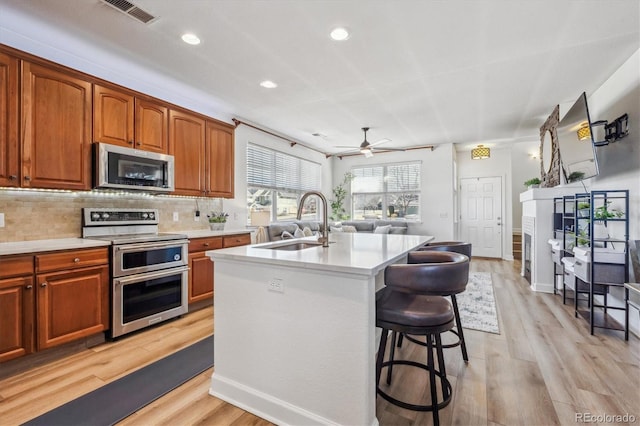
(481, 215)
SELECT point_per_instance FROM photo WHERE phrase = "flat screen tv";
(575, 142)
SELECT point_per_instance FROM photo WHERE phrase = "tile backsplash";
(41, 215)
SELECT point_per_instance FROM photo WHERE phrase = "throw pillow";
(307, 231)
(335, 229)
(298, 233)
(382, 229)
(286, 235)
(349, 228)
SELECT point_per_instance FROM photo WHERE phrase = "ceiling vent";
(131, 10)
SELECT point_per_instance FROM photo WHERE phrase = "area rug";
(477, 304)
(121, 398)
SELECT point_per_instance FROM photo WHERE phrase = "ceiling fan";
(365, 147)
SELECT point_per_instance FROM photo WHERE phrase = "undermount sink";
(297, 245)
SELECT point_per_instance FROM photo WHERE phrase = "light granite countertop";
(55, 244)
(354, 253)
(36, 246)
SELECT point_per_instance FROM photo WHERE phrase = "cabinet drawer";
(555, 256)
(236, 240)
(13, 266)
(203, 244)
(71, 259)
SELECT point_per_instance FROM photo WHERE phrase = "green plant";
(603, 212)
(339, 194)
(532, 181)
(584, 206)
(218, 217)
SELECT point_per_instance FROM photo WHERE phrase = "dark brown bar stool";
(407, 305)
(449, 246)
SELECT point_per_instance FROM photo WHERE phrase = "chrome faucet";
(325, 226)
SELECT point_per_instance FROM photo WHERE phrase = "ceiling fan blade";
(390, 149)
(344, 146)
(381, 141)
(368, 153)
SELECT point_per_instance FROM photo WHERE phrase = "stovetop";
(138, 238)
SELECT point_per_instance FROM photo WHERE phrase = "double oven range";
(149, 278)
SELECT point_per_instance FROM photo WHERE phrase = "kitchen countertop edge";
(38, 246)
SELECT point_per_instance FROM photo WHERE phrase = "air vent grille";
(131, 9)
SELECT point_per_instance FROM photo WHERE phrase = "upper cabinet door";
(56, 132)
(187, 145)
(9, 153)
(220, 160)
(151, 126)
(112, 116)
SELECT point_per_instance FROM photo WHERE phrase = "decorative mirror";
(547, 151)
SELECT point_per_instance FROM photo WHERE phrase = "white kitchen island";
(295, 335)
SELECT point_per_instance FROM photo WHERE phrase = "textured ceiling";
(416, 72)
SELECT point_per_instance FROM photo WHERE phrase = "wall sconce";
(480, 153)
(612, 132)
(260, 219)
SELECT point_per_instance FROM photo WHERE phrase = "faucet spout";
(325, 226)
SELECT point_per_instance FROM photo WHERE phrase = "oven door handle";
(149, 275)
(146, 246)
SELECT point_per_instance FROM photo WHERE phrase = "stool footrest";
(446, 397)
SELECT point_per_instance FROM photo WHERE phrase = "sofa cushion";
(349, 228)
(384, 229)
(398, 230)
(275, 230)
(360, 225)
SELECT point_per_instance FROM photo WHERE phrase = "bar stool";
(407, 305)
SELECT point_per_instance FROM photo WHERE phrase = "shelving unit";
(602, 231)
(563, 230)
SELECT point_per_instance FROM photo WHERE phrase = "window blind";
(273, 169)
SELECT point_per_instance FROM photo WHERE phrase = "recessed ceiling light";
(339, 34)
(268, 84)
(190, 38)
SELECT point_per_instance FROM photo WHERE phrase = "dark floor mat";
(115, 401)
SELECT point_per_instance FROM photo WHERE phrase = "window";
(276, 181)
(386, 191)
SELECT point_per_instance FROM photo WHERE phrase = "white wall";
(436, 202)
(237, 207)
(523, 168)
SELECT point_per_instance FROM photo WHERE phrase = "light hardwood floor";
(542, 369)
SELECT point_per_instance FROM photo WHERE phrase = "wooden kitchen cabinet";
(201, 268)
(72, 297)
(56, 128)
(17, 302)
(9, 152)
(219, 167)
(187, 145)
(203, 152)
(120, 118)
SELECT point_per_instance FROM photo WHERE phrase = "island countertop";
(354, 253)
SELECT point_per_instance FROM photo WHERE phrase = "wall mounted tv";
(575, 142)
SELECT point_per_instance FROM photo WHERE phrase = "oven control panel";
(107, 216)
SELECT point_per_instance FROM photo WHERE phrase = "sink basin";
(297, 245)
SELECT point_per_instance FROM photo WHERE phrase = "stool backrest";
(440, 274)
(454, 246)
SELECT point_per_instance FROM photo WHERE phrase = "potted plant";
(575, 176)
(584, 209)
(603, 212)
(217, 220)
(532, 183)
(338, 211)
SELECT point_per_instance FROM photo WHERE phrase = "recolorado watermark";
(605, 418)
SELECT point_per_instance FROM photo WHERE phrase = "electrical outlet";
(176, 217)
(276, 285)
(196, 216)
(1, 220)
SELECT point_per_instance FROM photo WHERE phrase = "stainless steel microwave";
(120, 167)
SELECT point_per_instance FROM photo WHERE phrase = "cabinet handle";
(206, 244)
(130, 142)
(13, 177)
(44, 284)
(139, 143)
(27, 178)
(76, 260)
(578, 263)
(29, 287)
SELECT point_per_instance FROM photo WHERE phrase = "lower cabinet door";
(200, 277)
(16, 317)
(71, 305)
